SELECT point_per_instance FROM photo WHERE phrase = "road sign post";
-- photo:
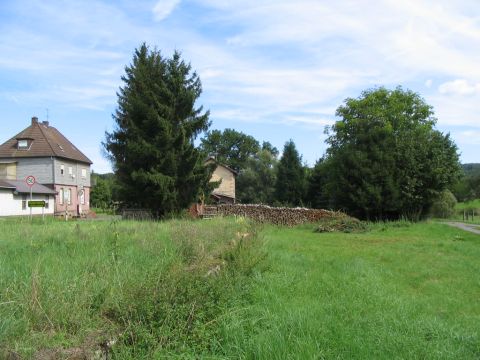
(30, 181)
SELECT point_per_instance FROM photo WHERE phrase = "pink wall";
(71, 207)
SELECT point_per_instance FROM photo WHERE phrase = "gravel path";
(467, 227)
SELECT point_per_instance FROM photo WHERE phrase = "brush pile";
(276, 215)
(344, 224)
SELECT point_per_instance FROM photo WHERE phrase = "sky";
(273, 69)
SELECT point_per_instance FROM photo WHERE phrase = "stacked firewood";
(276, 215)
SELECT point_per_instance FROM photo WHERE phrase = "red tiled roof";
(44, 140)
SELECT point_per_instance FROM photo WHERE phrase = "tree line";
(385, 158)
(468, 187)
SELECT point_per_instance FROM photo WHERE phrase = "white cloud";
(368, 44)
(266, 61)
(459, 87)
(456, 111)
(164, 8)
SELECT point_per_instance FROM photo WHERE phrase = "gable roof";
(45, 141)
(212, 159)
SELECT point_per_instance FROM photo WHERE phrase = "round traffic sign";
(30, 180)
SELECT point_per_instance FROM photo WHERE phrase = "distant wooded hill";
(472, 169)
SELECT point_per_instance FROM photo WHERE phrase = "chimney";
(45, 123)
(34, 120)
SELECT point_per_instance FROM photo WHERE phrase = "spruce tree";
(151, 148)
(317, 196)
(290, 184)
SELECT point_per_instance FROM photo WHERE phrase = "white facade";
(17, 205)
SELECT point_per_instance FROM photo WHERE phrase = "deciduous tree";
(386, 159)
(230, 147)
(256, 182)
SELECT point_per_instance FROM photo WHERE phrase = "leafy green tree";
(230, 147)
(101, 194)
(290, 183)
(104, 191)
(270, 148)
(151, 148)
(468, 186)
(256, 182)
(385, 159)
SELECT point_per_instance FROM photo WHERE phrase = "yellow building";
(225, 192)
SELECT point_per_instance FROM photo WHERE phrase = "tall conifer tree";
(290, 184)
(151, 148)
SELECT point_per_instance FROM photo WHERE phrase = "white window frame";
(82, 198)
(22, 144)
(84, 173)
(70, 170)
(69, 196)
(62, 169)
(62, 194)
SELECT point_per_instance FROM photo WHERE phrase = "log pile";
(276, 215)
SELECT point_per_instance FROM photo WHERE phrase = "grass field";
(474, 204)
(468, 207)
(395, 291)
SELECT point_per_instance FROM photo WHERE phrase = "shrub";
(444, 206)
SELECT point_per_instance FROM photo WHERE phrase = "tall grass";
(397, 291)
(181, 289)
(156, 288)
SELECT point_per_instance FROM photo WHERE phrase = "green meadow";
(229, 289)
(473, 204)
(472, 208)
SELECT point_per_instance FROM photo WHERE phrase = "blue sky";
(273, 69)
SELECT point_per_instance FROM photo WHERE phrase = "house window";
(84, 173)
(82, 197)
(62, 169)
(62, 194)
(8, 171)
(24, 202)
(70, 170)
(22, 144)
(46, 201)
(68, 196)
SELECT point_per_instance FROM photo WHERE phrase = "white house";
(15, 194)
